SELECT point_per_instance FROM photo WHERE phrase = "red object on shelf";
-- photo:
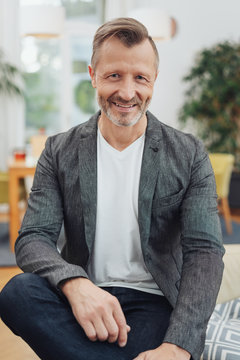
(19, 155)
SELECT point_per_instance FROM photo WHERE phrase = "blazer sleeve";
(36, 246)
(202, 258)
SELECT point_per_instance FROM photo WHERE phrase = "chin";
(123, 121)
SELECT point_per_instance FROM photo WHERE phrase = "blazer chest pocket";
(168, 200)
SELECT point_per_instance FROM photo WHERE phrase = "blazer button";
(148, 257)
(155, 149)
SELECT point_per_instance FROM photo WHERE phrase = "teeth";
(125, 106)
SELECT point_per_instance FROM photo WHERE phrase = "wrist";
(68, 285)
(178, 351)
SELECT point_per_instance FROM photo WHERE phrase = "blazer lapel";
(88, 179)
(149, 173)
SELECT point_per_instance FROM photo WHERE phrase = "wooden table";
(17, 170)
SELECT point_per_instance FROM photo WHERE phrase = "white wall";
(200, 24)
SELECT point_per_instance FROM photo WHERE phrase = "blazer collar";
(87, 155)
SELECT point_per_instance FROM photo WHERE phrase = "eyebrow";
(120, 71)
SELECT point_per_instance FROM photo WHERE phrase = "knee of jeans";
(11, 294)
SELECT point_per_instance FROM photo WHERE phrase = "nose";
(127, 89)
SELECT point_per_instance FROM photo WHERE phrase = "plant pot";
(234, 193)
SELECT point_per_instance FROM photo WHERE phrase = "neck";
(120, 137)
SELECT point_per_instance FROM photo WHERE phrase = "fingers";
(122, 325)
(90, 331)
(104, 329)
(112, 328)
(111, 325)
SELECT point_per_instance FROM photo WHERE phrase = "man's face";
(124, 78)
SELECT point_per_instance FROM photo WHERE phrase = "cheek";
(145, 94)
(106, 90)
(150, 92)
(144, 88)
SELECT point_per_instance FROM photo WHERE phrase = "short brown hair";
(129, 31)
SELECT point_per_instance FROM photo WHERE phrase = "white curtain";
(11, 109)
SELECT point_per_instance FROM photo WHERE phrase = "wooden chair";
(37, 144)
(222, 166)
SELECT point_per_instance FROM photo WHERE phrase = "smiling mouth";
(124, 106)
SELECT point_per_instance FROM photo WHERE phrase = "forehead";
(114, 53)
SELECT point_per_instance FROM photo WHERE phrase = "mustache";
(119, 99)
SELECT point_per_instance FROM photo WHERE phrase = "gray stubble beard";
(119, 122)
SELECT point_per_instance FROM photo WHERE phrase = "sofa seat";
(223, 332)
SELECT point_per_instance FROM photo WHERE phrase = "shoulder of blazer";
(172, 139)
(71, 138)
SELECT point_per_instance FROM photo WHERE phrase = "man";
(142, 264)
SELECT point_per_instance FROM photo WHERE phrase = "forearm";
(200, 282)
(35, 254)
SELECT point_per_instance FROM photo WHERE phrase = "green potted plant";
(9, 76)
(212, 104)
(85, 96)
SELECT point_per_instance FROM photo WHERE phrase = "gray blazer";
(178, 220)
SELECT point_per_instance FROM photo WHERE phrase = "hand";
(166, 351)
(98, 312)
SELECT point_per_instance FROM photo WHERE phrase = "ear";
(92, 75)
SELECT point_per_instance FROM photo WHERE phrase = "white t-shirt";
(117, 258)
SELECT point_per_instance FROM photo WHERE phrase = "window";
(83, 94)
(86, 10)
(42, 65)
(59, 94)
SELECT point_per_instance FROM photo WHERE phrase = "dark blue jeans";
(41, 315)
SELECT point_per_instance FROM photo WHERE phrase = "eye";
(114, 76)
(140, 77)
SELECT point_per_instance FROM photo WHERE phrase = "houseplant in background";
(85, 96)
(10, 78)
(10, 86)
(212, 104)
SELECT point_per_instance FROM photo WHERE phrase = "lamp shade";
(42, 20)
(159, 24)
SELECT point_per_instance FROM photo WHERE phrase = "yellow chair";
(4, 188)
(222, 166)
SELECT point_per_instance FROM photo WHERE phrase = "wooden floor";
(14, 348)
